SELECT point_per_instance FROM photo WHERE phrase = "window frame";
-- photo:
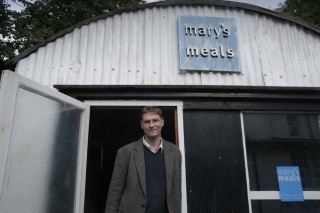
(269, 195)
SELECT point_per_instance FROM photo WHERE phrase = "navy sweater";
(156, 182)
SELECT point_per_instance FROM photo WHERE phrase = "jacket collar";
(140, 164)
(160, 148)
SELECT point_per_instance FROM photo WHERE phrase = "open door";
(110, 128)
(115, 123)
(43, 148)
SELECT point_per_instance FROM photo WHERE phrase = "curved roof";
(229, 4)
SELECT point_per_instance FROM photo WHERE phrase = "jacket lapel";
(168, 158)
(140, 164)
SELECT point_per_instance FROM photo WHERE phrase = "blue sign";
(290, 183)
(208, 44)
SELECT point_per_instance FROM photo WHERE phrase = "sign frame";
(208, 44)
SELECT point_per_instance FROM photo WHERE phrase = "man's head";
(152, 109)
(151, 122)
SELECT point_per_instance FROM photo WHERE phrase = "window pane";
(40, 172)
(282, 139)
(276, 206)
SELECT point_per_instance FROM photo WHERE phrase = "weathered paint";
(141, 48)
(208, 44)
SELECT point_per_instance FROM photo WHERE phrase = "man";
(147, 173)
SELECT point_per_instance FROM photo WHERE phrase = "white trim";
(275, 195)
(245, 161)
(311, 195)
(179, 105)
(133, 103)
(82, 161)
(265, 195)
(181, 147)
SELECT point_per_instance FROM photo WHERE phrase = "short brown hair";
(153, 109)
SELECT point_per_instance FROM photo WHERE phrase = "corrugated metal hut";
(239, 89)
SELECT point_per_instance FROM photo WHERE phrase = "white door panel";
(43, 145)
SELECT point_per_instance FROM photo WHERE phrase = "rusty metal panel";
(141, 48)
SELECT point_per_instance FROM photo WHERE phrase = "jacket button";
(143, 206)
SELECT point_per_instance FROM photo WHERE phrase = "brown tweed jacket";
(127, 191)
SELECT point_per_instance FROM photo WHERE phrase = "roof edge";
(236, 5)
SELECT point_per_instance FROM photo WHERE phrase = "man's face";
(152, 125)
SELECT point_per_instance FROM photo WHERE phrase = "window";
(282, 139)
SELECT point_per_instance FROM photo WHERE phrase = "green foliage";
(308, 10)
(42, 19)
(7, 44)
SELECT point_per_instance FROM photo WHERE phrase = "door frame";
(180, 130)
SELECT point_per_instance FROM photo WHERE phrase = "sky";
(14, 5)
(269, 4)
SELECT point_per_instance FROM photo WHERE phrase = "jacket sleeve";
(117, 184)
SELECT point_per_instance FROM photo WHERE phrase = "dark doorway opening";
(111, 128)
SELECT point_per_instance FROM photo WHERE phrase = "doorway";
(110, 128)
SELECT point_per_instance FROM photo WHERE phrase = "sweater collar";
(145, 143)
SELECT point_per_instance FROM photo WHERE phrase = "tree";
(7, 45)
(308, 10)
(42, 19)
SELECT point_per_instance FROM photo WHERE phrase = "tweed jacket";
(127, 191)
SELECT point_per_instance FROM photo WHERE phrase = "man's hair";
(152, 109)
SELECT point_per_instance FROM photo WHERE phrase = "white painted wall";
(141, 48)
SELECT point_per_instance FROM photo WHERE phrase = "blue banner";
(289, 180)
(208, 44)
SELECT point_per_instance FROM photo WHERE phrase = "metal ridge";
(169, 3)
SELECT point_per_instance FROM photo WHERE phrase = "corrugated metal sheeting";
(141, 48)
